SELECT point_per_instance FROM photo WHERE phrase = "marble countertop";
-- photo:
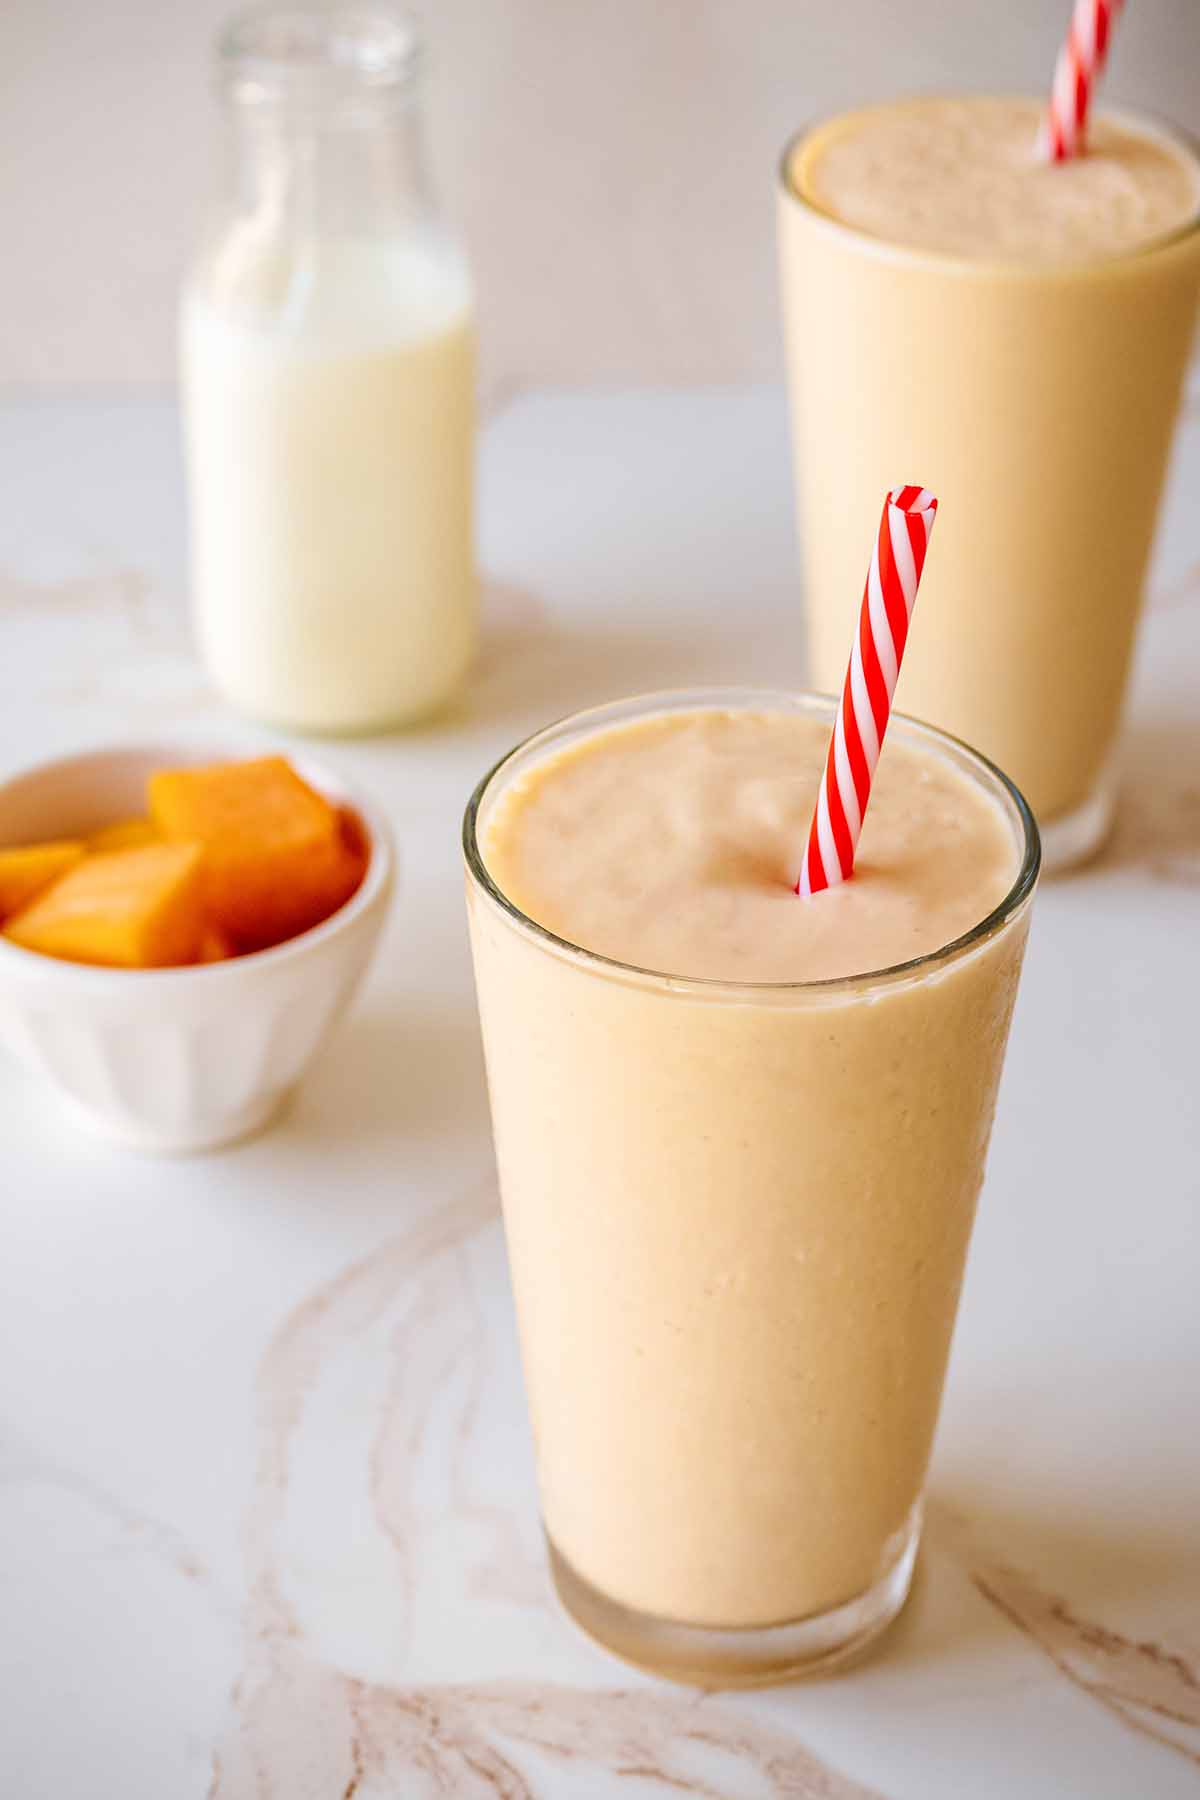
(267, 1515)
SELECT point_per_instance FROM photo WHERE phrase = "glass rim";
(957, 260)
(286, 53)
(705, 986)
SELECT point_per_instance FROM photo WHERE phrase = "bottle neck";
(307, 177)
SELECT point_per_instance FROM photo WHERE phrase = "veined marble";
(268, 1527)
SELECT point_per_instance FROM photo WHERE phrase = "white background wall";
(612, 161)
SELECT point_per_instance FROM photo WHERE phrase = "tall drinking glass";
(1035, 393)
(737, 1217)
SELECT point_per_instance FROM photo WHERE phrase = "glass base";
(720, 1657)
(1071, 838)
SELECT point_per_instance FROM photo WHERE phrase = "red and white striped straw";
(892, 581)
(1078, 69)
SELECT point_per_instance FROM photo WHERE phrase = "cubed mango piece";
(27, 869)
(357, 846)
(275, 859)
(124, 834)
(216, 945)
(126, 909)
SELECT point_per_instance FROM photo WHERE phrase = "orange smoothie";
(1018, 332)
(740, 1139)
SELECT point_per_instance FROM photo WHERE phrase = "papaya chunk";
(276, 860)
(127, 909)
(357, 847)
(216, 945)
(124, 834)
(29, 868)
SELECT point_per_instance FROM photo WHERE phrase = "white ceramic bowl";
(177, 1059)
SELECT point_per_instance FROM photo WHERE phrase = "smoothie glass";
(737, 1217)
(1038, 402)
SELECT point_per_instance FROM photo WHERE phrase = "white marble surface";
(267, 1522)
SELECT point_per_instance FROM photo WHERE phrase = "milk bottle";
(327, 350)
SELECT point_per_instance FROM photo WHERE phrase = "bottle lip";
(327, 59)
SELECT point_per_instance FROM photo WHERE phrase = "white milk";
(329, 394)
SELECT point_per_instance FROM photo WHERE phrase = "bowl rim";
(374, 888)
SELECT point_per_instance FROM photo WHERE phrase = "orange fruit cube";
(216, 945)
(127, 909)
(275, 859)
(124, 834)
(357, 846)
(29, 868)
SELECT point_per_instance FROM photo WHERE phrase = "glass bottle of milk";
(328, 368)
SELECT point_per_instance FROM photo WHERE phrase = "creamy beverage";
(739, 1166)
(1018, 331)
(964, 177)
(330, 438)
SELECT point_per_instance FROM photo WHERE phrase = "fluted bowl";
(190, 1058)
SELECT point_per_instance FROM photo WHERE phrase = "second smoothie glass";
(737, 1217)
(1038, 402)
